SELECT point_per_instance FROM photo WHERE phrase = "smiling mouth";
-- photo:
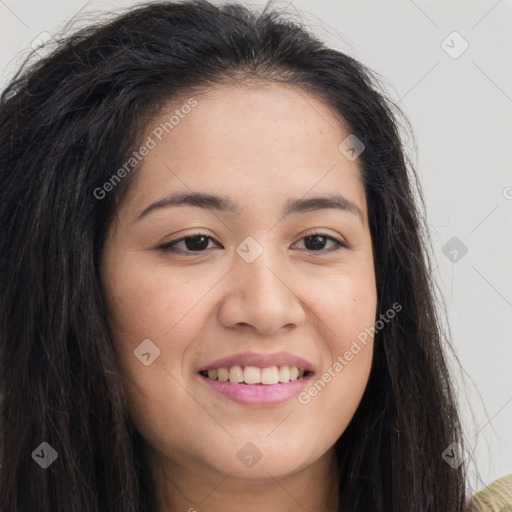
(253, 375)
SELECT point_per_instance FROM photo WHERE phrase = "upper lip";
(260, 360)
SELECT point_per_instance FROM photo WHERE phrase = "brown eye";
(194, 243)
(316, 242)
(198, 243)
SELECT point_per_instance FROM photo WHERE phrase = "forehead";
(261, 108)
(253, 142)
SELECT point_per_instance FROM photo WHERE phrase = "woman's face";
(254, 282)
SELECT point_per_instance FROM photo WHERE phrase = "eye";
(316, 241)
(198, 243)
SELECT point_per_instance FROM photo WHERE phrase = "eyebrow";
(224, 204)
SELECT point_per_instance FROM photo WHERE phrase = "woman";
(175, 335)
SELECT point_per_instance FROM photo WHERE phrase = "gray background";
(461, 112)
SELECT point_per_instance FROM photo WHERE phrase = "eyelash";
(170, 246)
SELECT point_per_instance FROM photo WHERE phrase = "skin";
(260, 146)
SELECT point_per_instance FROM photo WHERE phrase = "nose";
(262, 295)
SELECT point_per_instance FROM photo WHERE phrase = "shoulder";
(496, 497)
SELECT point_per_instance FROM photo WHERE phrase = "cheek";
(151, 301)
(345, 316)
(344, 304)
(144, 306)
(156, 303)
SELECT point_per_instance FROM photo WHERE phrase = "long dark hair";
(67, 122)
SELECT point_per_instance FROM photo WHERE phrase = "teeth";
(252, 375)
(223, 374)
(236, 374)
(284, 374)
(270, 375)
(255, 375)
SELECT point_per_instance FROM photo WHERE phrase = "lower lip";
(258, 394)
